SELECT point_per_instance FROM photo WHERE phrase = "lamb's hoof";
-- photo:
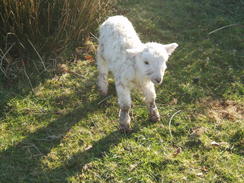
(154, 118)
(125, 129)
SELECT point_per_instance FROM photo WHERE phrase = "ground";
(63, 131)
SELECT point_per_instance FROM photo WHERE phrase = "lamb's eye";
(146, 62)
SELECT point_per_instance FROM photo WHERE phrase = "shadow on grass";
(101, 147)
(79, 160)
(19, 160)
(20, 87)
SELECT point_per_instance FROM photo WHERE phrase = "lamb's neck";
(139, 76)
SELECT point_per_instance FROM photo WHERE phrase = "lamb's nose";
(158, 80)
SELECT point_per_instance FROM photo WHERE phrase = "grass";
(64, 131)
(43, 29)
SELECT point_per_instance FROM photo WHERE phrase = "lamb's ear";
(170, 48)
(133, 51)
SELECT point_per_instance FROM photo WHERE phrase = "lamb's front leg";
(124, 100)
(150, 96)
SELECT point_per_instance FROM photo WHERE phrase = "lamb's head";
(151, 59)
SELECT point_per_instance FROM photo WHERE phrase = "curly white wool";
(133, 64)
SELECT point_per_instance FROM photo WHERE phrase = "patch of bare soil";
(220, 110)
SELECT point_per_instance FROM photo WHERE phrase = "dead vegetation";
(220, 110)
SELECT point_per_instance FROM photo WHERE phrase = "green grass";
(64, 131)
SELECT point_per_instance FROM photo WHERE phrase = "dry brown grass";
(220, 110)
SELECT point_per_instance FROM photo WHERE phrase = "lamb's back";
(117, 34)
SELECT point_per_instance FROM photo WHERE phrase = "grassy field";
(63, 131)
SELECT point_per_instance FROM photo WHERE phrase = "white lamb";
(133, 64)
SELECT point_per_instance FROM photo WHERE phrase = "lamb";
(134, 65)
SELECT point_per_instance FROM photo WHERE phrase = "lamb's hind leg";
(103, 74)
(150, 96)
(124, 100)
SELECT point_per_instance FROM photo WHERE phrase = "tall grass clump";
(43, 27)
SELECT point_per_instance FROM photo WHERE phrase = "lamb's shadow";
(100, 148)
(75, 164)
